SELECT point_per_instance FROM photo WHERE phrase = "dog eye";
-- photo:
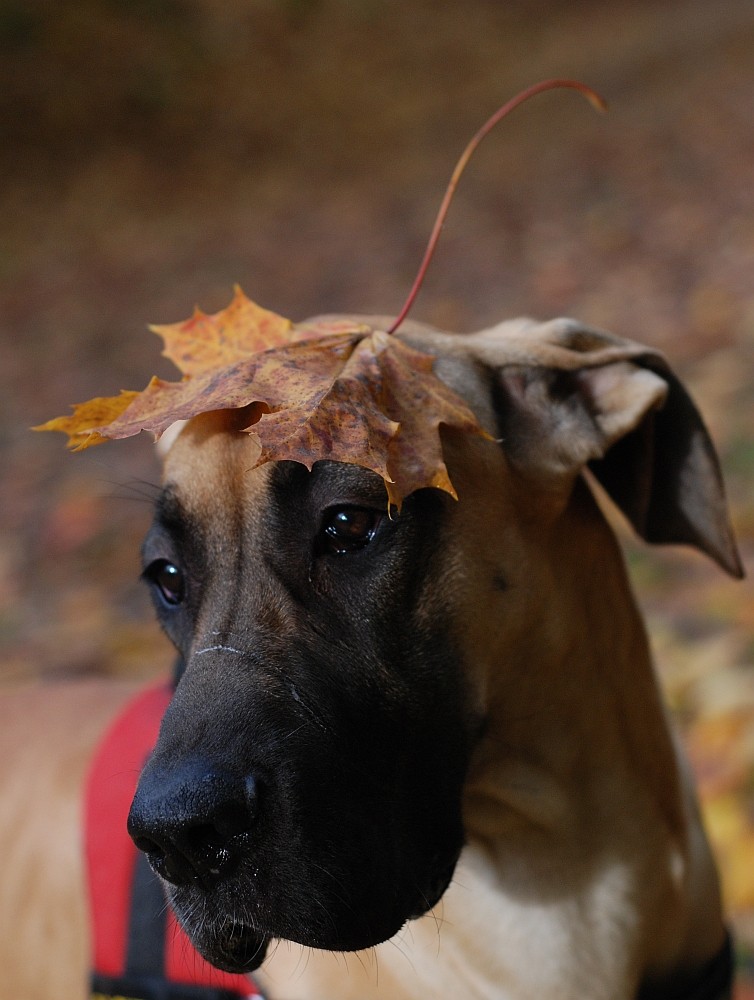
(167, 580)
(348, 529)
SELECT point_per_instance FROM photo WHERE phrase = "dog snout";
(194, 822)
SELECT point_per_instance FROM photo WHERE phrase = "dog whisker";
(302, 962)
(140, 491)
(397, 944)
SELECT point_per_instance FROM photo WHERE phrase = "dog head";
(308, 780)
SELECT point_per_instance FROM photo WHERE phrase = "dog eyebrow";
(174, 531)
(171, 519)
(170, 514)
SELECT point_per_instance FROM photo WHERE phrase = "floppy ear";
(569, 397)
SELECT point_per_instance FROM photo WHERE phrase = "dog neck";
(589, 786)
(581, 631)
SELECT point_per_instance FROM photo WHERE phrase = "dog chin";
(238, 948)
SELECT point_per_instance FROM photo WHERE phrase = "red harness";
(139, 950)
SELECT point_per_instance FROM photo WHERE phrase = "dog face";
(307, 781)
(340, 663)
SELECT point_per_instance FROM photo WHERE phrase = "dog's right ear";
(569, 397)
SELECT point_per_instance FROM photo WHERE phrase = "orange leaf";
(327, 408)
(206, 342)
(340, 392)
(424, 403)
(381, 408)
(81, 425)
(268, 379)
(163, 403)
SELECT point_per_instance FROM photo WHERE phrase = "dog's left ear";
(569, 397)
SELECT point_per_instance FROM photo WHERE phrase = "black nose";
(194, 821)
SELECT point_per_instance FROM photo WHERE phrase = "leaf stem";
(594, 99)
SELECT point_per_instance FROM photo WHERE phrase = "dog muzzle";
(138, 949)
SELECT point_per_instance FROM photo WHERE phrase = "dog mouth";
(236, 947)
(224, 931)
(239, 947)
(434, 891)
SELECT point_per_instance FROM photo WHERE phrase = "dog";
(424, 754)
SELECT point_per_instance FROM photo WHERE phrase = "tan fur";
(48, 732)
(578, 772)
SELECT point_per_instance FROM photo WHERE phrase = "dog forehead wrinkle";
(214, 475)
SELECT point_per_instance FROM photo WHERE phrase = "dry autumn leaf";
(203, 343)
(380, 408)
(98, 412)
(325, 390)
(339, 391)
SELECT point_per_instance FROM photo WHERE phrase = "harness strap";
(139, 951)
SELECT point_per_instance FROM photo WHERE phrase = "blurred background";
(154, 152)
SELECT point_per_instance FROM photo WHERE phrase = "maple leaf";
(98, 412)
(205, 342)
(322, 397)
(327, 389)
(365, 399)
(338, 391)
(423, 403)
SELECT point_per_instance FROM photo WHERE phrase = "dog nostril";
(233, 816)
(167, 860)
(194, 830)
(148, 846)
(207, 835)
